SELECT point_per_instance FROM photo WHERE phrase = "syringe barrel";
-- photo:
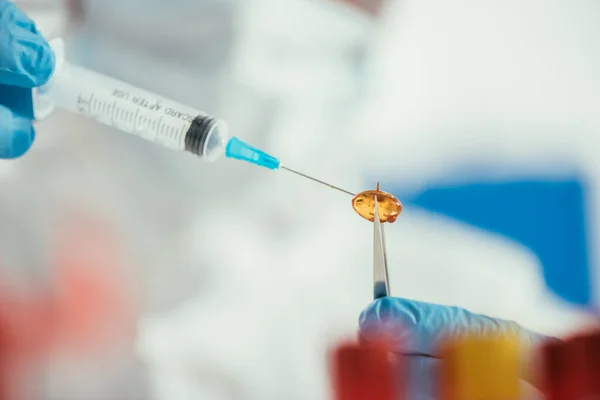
(129, 109)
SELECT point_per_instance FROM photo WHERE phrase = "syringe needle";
(316, 180)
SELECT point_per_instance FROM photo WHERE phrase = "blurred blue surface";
(548, 217)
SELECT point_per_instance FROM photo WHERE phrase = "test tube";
(366, 371)
(571, 368)
(555, 371)
(480, 368)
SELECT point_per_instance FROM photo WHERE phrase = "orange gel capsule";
(389, 206)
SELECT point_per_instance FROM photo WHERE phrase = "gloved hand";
(26, 61)
(416, 329)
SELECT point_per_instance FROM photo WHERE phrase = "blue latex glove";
(416, 329)
(26, 61)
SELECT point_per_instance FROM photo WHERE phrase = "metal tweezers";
(381, 284)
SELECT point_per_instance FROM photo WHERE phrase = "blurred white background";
(246, 276)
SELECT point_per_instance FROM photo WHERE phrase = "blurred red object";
(571, 369)
(366, 372)
(371, 7)
(26, 332)
(86, 308)
(583, 361)
(95, 296)
(555, 374)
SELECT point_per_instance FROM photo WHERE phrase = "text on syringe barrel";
(125, 107)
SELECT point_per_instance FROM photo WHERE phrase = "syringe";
(144, 114)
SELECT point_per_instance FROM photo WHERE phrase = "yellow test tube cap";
(479, 367)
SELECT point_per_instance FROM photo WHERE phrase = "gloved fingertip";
(22, 142)
(16, 136)
(10, 12)
(382, 320)
(388, 310)
(26, 59)
(38, 61)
